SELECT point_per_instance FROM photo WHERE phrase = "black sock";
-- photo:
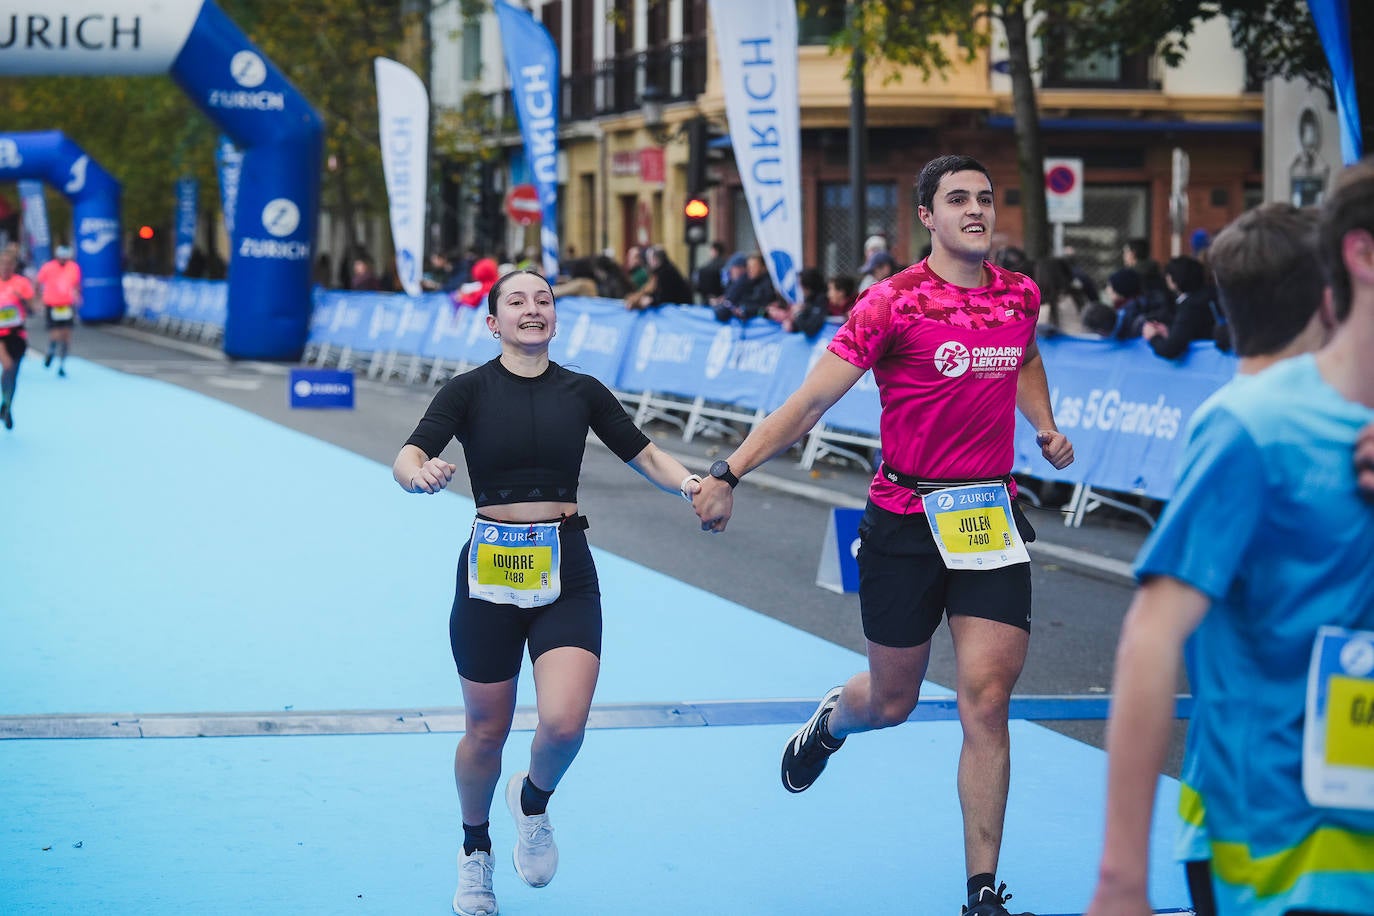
(977, 883)
(533, 800)
(475, 838)
(828, 741)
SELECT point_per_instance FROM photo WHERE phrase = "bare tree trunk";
(1030, 153)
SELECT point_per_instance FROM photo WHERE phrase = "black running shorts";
(14, 345)
(905, 588)
(59, 323)
(488, 639)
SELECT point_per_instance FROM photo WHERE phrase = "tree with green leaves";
(147, 133)
(1277, 36)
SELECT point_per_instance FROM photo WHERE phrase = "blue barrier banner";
(593, 336)
(683, 350)
(460, 335)
(188, 199)
(417, 315)
(349, 327)
(322, 313)
(320, 388)
(1125, 410)
(37, 239)
(532, 63)
(858, 410)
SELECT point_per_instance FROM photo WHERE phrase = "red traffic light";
(697, 208)
(145, 232)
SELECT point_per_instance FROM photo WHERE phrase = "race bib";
(11, 316)
(974, 527)
(61, 313)
(514, 563)
(1338, 732)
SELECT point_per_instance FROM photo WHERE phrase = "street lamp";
(651, 107)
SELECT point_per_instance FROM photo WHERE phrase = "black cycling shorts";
(488, 639)
(59, 323)
(15, 345)
(905, 589)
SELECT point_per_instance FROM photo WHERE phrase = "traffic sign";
(1064, 190)
(522, 204)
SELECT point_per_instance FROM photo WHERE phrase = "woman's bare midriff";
(528, 512)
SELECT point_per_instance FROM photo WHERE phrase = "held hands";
(713, 502)
(432, 477)
(1056, 448)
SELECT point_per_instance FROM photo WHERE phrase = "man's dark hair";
(1140, 248)
(1349, 208)
(938, 168)
(1269, 280)
(494, 296)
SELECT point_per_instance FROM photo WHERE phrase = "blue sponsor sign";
(314, 388)
(1125, 410)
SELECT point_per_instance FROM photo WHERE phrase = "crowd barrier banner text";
(1125, 410)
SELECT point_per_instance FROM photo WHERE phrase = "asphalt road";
(767, 559)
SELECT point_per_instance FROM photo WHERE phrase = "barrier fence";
(1125, 409)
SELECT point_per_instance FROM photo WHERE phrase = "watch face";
(720, 469)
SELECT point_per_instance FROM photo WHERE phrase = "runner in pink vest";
(59, 283)
(16, 298)
(951, 344)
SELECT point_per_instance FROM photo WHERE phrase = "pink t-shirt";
(14, 296)
(946, 360)
(61, 283)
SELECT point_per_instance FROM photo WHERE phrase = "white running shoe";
(535, 855)
(474, 896)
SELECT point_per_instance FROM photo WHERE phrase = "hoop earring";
(495, 335)
(553, 335)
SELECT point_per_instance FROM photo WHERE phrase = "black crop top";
(523, 438)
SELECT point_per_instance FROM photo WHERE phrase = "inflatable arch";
(94, 194)
(215, 64)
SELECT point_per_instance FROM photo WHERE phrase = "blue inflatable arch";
(243, 92)
(50, 156)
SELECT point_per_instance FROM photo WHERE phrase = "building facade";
(623, 181)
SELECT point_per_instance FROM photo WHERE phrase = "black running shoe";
(804, 757)
(991, 903)
(61, 371)
(5, 416)
(47, 360)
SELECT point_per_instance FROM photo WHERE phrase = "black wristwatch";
(721, 471)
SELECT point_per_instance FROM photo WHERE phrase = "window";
(839, 251)
(1067, 68)
(821, 21)
(1111, 215)
(472, 50)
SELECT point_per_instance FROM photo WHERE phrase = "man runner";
(951, 343)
